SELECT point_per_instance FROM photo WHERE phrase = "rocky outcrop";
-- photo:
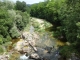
(27, 44)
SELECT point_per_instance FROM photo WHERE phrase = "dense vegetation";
(12, 19)
(65, 18)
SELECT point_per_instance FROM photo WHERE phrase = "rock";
(32, 42)
(48, 49)
(25, 35)
(34, 56)
(41, 51)
(26, 49)
(36, 36)
(25, 46)
(35, 48)
(4, 57)
(25, 43)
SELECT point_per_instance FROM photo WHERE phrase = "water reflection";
(31, 29)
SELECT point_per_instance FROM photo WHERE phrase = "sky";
(30, 1)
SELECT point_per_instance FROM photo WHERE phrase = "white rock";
(34, 55)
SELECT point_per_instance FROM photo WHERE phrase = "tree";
(21, 6)
(5, 24)
(11, 21)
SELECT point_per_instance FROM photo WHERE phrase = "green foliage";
(21, 19)
(47, 10)
(5, 23)
(11, 21)
(25, 18)
(68, 50)
(69, 17)
(14, 32)
(1, 50)
(18, 21)
(1, 39)
(21, 6)
(6, 4)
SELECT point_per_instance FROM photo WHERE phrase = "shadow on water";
(13, 41)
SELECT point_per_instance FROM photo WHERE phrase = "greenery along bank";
(12, 19)
(65, 18)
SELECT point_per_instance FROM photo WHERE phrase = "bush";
(1, 39)
(1, 50)
(67, 50)
(14, 32)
